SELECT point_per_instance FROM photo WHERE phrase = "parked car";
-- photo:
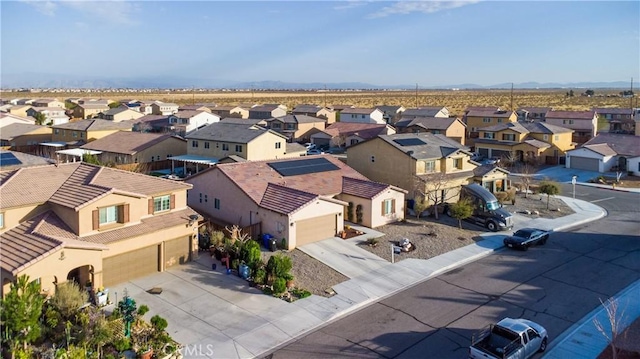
(477, 157)
(492, 161)
(509, 339)
(526, 237)
(309, 146)
(487, 211)
(314, 152)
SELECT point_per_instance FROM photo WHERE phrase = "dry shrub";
(502, 196)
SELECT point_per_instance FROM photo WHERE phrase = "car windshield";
(522, 233)
(493, 205)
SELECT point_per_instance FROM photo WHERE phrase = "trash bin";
(273, 244)
(213, 266)
(243, 271)
(266, 240)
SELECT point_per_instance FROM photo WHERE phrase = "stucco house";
(449, 126)
(7, 119)
(607, 152)
(80, 132)
(584, 123)
(267, 111)
(54, 115)
(532, 142)
(89, 110)
(391, 114)
(362, 115)
(163, 108)
(47, 102)
(94, 224)
(189, 120)
(345, 134)
(126, 147)
(19, 110)
(118, 114)
(424, 164)
(477, 119)
(22, 136)
(194, 108)
(427, 111)
(536, 114)
(297, 128)
(230, 111)
(620, 119)
(297, 201)
(315, 111)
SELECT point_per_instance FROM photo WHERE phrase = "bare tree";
(434, 188)
(615, 319)
(526, 172)
(339, 140)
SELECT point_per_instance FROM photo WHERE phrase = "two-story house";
(77, 133)
(23, 137)
(89, 110)
(315, 111)
(118, 114)
(47, 102)
(297, 128)
(391, 114)
(297, 201)
(164, 108)
(477, 119)
(189, 120)
(449, 126)
(362, 115)
(345, 134)
(427, 111)
(584, 123)
(230, 111)
(428, 166)
(620, 120)
(267, 111)
(88, 223)
(53, 115)
(136, 148)
(536, 114)
(7, 119)
(531, 142)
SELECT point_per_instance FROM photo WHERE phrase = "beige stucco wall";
(261, 148)
(317, 208)
(305, 130)
(331, 115)
(170, 146)
(372, 208)
(477, 121)
(32, 138)
(457, 131)
(127, 115)
(390, 166)
(14, 216)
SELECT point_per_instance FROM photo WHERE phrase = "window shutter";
(382, 210)
(172, 201)
(150, 205)
(120, 214)
(393, 206)
(96, 219)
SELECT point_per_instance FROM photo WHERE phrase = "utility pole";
(193, 95)
(416, 95)
(632, 96)
(325, 95)
(512, 96)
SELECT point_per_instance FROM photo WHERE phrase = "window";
(216, 203)
(430, 166)
(162, 203)
(353, 141)
(217, 145)
(388, 206)
(200, 197)
(206, 145)
(545, 137)
(206, 198)
(499, 120)
(278, 145)
(508, 137)
(194, 143)
(486, 120)
(108, 215)
(436, 132)
(556, 138)
(238, 148)
(225, 147)
(81, 134)
(290, 126)
(1, 220)
(75, 134)
(489, 135)
(56, 131)
(457, 163)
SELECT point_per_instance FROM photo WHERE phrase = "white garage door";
(584, 163)
(315, 229)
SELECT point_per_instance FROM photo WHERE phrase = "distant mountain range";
(42, 81)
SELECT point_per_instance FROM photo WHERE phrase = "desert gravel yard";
(431, 237)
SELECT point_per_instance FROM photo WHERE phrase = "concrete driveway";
(562, 174)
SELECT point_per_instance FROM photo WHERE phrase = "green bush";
(250, 253)
(122, 344)
(259, 276)
(300, 293)
(159, 323)
(279, 285)
(142, 310)
(279, 266)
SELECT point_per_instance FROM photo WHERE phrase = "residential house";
(13, 160)
(620, 120)
(47, 102)
(362, 115)
(315, 111)
(607, 152)
(477, 119)
(267, 111)
(245, 121)
(338, 109)
(531, 142)
(450, 126)
(53, 115)
(636, 120)
(345, 134)
(164, 108)
(194, 108)
(491, 177)
(391, 114)
(230, 111)
(536, 114)
(7, 119)
(22, 137)
(119, 114)
(77, 133)
(429, 111)
(428, 166)
(95, 101)
(89, 110)
(19, 110)
(297, 128)
(5, 107)
(584, 123)
(297, 201)
(87, 223)
(188, 120)
(126, 147)
(23, 102)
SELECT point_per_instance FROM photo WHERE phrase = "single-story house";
(607, 152)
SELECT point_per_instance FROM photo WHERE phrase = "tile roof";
(264, 108)
(578, 115)
(296, 119)
(228, 132)
(76, 184)
(188, 113)
(514, 126)
(244, 121)
(389, 109)
(17, 129)
(152, 118)
(541, 127)
(536, 109)
(438, 176)
(436, 146)
(482, 170)
(306, 109)
(421, 112)
(613, 111)
(117, 110)
(482, 108)
(362, 188)
(285, 200)
(340, 107)
(127, 142)
(626, 145)
(95, 125)
(601, 148)
(359, 111)
(432, 123)
(537, 143)
(94, 106)
(26, 160)
(363, 130)
(489, 113)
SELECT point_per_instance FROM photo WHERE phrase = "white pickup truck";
(509, 339)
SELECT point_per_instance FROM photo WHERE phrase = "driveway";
(562, 174)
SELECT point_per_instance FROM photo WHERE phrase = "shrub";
(259, 276)
(250, 253)
(279, 266)
(69, 298)
(502, 196)
(279, 285)
(142, 310)
(300, 293)
(122, 344)
(159, 323)
(373, 241)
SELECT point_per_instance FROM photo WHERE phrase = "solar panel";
(302, 167)
(409, 142)
(8, 159)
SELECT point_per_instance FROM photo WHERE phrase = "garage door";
(499, 153)
(484, 152)
(176, 251)
(584, 163)
(127, 266)
(315, 229)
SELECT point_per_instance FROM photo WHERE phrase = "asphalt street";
(555, 285)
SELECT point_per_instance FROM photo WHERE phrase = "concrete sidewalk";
(216, 315)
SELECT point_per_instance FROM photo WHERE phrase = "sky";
(430, 43)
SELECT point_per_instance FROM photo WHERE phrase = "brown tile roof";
(188, 113)
(601, 148)
(514, 126)
(613, 111)
(296, 119)
(422, 112)
(433, 123)
(264, 108)
(362, 188)
(26, 185)
(489, 113)
(13, 130)
(540, 127)
(480, 171)
(77, 190)
(285, 200)
(363, 130)
(578, 115)
(626, 145)
(95, 125)
(537, 143)
(127, 142)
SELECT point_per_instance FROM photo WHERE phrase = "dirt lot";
(628, 344)
(431, 236)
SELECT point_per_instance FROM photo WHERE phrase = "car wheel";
(543, 345)
(543, 241)
(525, 247)
(448, 211)
(492, 226)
